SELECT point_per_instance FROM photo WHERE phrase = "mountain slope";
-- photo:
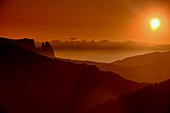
(31, 83)
(29, 44)
(152, 67)
(152, 99)
(150, 58)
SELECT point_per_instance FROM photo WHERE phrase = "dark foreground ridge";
(151, 99)
(31, 83)
(29, 44)
(151, 67)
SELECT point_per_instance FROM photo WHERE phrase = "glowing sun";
(155, 23)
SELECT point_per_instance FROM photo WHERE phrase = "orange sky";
(84, 19)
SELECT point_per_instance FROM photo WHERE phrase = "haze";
(85, 56)
(86, 19)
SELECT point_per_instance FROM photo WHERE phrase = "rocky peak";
(29, 44)
(46, 49)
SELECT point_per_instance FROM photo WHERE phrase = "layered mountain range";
(32, 83)
(151, 67)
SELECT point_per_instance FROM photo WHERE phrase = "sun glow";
(155, 23)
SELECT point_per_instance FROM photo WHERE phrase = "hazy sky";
(83, 19)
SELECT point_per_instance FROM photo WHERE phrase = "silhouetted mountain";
(150, 58)
(23, 43)
(107, 45)
(46, 49)
(152, 99)
(151, 67)
(31, 83)
(29, 44)
(105, 50)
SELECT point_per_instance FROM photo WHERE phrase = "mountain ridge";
(29, 44)
(150, 67)
(150, 99)
(42, 84)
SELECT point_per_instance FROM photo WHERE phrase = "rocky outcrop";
(23, 43)
(29, 44)
(46, 49)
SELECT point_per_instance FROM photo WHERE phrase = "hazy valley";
(33, 80)
(105, 51)
(84, 56)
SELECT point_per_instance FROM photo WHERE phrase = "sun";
(155, 24)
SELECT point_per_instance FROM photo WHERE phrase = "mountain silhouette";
(32, 83)
(151, 99)
(151, 67)
(29, 44)
(23, 43)
(117, 46)
(46, 49)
